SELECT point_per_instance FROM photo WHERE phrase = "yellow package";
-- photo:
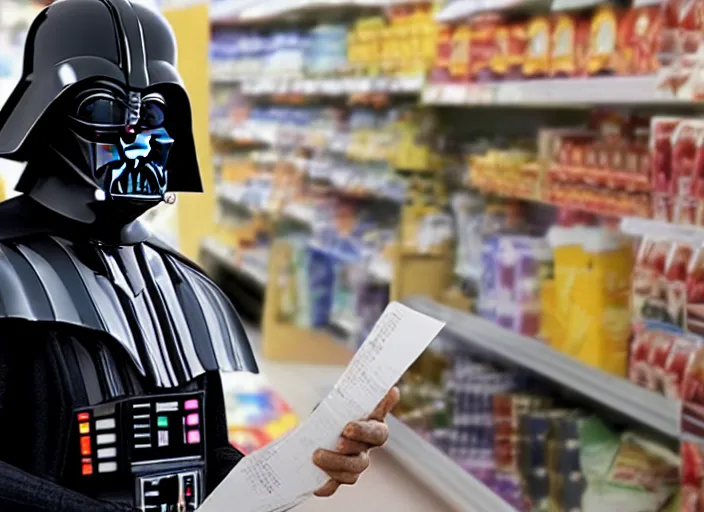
(570, 262)
(598, 322)
(607, 303)
(548, 312)
(538, 51)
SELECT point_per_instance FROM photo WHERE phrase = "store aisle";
(386, 487)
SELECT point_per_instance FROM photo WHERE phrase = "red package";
(660, 348)
(649, 286)
(638, 367)
(686, 145)
(691, 25)
(692, 390)
(643, 25)
(669, 40)
(695, 293)
(441, 70)
(676, 271)
(697, 188)
(662, 207)
(692, 464)
(482, 49)
(677, 364)
(661, 132)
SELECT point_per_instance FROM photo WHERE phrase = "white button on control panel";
(107, 467)
(107, 453)
(105, 439)
(105, 424)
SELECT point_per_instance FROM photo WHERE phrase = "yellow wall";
(196, 212)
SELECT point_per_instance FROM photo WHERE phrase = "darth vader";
(112, 343)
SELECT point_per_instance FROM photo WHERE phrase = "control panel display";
(166, 429)
(177, 492)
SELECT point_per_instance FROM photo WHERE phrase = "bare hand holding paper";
(280, 476)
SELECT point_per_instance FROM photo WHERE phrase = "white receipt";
(282, 475)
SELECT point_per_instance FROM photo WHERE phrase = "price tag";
(454, 94)
(564, 5)
(432, 94)
(365, 85)
(509, 93)
(282, 86)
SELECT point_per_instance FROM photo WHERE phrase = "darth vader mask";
(124, 141)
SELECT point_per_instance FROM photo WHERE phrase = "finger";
(331, 461)
(344, 478)
(371, 432)
(328, 489)
(386, 405)
(350, 447)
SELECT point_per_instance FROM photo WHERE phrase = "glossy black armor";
(122, 338)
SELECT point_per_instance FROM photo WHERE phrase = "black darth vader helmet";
(100, 114)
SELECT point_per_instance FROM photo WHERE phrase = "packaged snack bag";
(441, 68)
(603, 42)
(517, 41)
(564, 35)
(695, 293)
(669, 41)
(686, 140)
(600, 301)
(660, 348)
(570, 261)
(638, 367)
(459, 56)
(661, 132)
(691, 476)
(692, 390)
(676, 366)
(538, 51)
(676, 270)
(691, 25)
(643, 26)
(697, 190)
(649, 292)
(483, 48)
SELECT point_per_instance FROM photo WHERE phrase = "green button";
(162, 422)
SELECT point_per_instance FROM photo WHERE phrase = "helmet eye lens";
(102, 110)
(152, 114)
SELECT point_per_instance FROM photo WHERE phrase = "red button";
(87, 469)
(188, 491)
(83, 416)
(85, 445)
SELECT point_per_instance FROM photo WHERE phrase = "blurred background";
(529, 171)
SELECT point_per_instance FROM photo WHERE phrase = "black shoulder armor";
(173, 322)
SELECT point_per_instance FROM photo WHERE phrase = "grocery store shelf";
(440, 473)
(225, 255)
(563, 91)
(324, 87)
(614, 392)
(345, 323)
(462, 9)
(301, 212)
(636, 226)
(244, 11)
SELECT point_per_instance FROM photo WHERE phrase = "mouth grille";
(141, 181)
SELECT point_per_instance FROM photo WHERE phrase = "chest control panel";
(151, 446)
